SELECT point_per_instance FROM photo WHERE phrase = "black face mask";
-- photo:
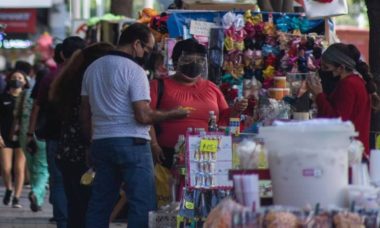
(143, 61)
(191, 70)
(328, 80)
(14, 84)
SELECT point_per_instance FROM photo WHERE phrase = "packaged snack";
(348, 220)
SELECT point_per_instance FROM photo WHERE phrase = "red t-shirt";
(349, 101)
(204, 96)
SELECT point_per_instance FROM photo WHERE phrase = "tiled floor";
(25, 218)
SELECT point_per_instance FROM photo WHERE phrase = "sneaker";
(7, 197)
(15, 203)
(33, 203)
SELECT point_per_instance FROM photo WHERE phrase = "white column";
(86, 9)
(99, 8)
(75, 9)
(148, 3)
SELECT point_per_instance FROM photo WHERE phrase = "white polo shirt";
(112, 84)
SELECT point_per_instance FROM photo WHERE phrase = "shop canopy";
(26, 4)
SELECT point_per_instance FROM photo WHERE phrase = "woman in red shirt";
(353, 94)
(187, 88)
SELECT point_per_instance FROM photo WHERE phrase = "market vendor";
(188, 88)
(354, 94)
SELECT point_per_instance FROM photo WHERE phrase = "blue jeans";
(57, 191)
(118, 160)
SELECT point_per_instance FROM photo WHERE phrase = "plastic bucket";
(308, 163)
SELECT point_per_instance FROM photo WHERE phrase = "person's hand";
(315, 86)
(241, 105)
(2, 144)
(180, 113)
(158, 154)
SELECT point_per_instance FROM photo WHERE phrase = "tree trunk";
(122, 7)
(373, 7)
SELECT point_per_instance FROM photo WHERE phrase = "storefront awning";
(26, 4)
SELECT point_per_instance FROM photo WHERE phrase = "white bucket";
(308, 161)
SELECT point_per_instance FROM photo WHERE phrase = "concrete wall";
(358, 37)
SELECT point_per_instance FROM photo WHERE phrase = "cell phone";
(31, 147)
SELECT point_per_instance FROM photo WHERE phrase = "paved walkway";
(25, 218)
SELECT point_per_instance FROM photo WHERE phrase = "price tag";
(189, 205)
(209, 145)
(378, 142)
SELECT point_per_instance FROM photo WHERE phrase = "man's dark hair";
(71, 44)
(189, 46)
(57, 54)
(135, 32)
(24, 67)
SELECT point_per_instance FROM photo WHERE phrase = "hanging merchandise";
(322, 8)
(209, 157)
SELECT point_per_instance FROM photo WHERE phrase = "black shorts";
(12, 144)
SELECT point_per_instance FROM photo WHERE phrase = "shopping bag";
(163, 178)
(319, 9)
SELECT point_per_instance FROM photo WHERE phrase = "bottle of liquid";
(212, 125)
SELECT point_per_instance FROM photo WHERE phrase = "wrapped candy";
(271, 60)
(270, 40)
(228, 20)
(269, 29)
(284, 62)
(229, 43)
(283, 40)
(239, 45)
(269, 49)
(253, 19)
(250, 29)
(269, 72)
(239, 22)
(248, 58)
(283, 23)
(259, 60)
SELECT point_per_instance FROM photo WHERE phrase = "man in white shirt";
(117, 117)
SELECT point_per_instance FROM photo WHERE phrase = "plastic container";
(280, 82)
(308, 161)
(276, 93)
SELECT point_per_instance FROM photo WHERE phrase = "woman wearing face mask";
(353, 95)
(188, 88)
(11, 109)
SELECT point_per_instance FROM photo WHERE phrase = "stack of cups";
(375, 167)
(280, 89)
(247, 190)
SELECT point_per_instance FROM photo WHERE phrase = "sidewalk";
(25, 218)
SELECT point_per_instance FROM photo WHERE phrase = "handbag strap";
(160, 92)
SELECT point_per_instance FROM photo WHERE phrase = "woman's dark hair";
(362, 67)
(136, 31)
(71, 44)
(9, 76)
(57, 54)
(65, 92)
(189, 46)
(24, 67)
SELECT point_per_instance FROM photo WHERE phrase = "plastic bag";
(163, 177)
(316, 9)
(221, 215)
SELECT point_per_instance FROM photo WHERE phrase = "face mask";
(15, 84)
(191, 70)
(328, 80)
